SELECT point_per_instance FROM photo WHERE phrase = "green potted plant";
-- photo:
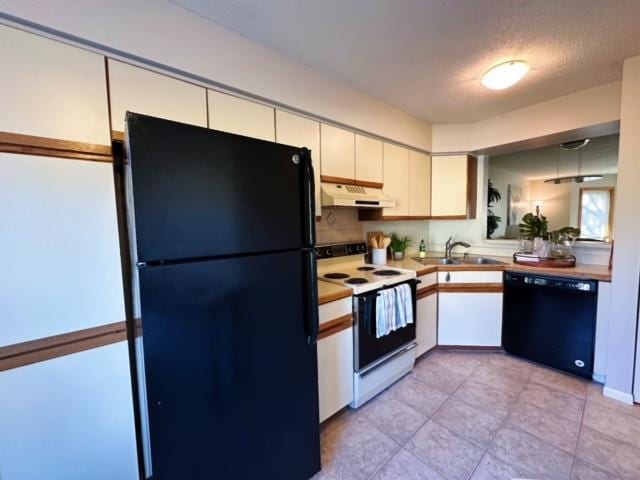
(492, 218)
(399, 245)
(535, 228)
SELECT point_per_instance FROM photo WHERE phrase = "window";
(596, 212)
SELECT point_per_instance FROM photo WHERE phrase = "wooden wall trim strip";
(343, 181)
(53, 147)
(471, 287)
(34, 351)
(334, 326)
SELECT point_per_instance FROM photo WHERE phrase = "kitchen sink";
(437, 261)
(482, 261)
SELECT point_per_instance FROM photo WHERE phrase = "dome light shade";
(505, 75)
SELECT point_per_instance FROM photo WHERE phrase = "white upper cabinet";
(243, 117)
(142, 91)
(368, 160)
(52, 90)
(449, 186)
(63, 273)
(396, 179)
(338, 153)
(419, 185)
(301, 132)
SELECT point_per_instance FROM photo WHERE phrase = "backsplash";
(339, 225)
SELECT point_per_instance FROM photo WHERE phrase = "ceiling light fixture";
(505, 75)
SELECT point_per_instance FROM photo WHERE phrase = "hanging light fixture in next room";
(579, 178)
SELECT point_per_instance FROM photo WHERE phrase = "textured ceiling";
(599, 156)
(427, 56)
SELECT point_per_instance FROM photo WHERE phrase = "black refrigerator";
(222, 233)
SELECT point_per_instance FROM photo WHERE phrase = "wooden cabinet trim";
(334, 326)
(426, 291)
(53, 147)
(470, 287)
(42, 349)
(343, 181)
(472, 186)
(375, 214)
(365, 183)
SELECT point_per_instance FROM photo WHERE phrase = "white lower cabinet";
(426, 323)
(470, 319)
(335, 372)
(69, 418)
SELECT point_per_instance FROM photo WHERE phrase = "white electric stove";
(345, 265)
(378, 361)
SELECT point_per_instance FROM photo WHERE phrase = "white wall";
(586, 108)
(164, 33)
(626, 261)
(557, 202)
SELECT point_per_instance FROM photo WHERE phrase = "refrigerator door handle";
(311, 300)
(309, 192)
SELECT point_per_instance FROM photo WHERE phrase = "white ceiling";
(599, 156)
(427, 56)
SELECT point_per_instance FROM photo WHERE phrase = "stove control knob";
(327, 252)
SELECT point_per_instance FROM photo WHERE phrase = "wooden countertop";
(584, 270)
(329, 292)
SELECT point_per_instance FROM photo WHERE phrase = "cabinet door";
(301, 132)
(240, 116)
(449, 186)
(52, 90)
(64, 247)
(73, 414)
(419, 184)
(335, 372)
(338, 154)
(470, 319)
(396, 179)
(368, 161)
(426, 323)
(138, 90)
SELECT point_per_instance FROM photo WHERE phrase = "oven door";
(369, 349)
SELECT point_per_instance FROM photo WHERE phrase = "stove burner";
(386, 273)
(366, 269)
(356, 281)
(336, 276)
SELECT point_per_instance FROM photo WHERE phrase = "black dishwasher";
(550, 320)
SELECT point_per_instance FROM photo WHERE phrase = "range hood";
(339, 195)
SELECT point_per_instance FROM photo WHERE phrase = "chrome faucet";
(450, 246)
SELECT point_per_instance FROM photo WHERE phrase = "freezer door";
(198, 193)
(231, 378)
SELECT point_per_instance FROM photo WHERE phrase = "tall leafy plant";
(492, 219)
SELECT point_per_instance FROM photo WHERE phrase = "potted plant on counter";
(535, 228)
(399, 245)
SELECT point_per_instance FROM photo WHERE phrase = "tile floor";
(484, 416)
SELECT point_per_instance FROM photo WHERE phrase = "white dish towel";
(404, 306)
(385, 312)
(394, 309)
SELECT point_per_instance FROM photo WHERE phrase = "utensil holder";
(379, 256)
